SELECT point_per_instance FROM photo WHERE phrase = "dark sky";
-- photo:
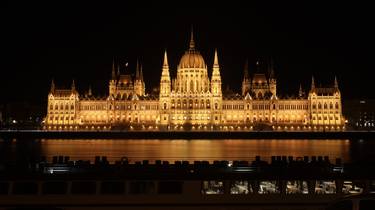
(59, 40)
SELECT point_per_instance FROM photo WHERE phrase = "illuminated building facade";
(193, 100)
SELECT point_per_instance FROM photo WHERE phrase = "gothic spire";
(216, 60)
(137, 70)
(141, 73)
(312, 83)
(192, 43)
(90, 91)
(113, 69)
(165, 62)
(73, 86)
(118, 69)
(52, 86)
(271, 70)
(246, 69)
(300, 92)
(336, 83)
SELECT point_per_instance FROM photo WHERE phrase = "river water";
(190, 150)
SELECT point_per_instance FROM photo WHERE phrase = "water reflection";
(193, 149)
(190, 150)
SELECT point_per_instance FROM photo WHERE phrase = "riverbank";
(121, 134)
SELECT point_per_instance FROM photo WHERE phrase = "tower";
(246, 79)
(112, 82)
(216, 78)
(272, 78)
(165, 90)
(216, 91)
(139, 86)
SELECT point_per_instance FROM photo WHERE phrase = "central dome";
(192, 58)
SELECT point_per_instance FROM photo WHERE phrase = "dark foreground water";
(171, 150)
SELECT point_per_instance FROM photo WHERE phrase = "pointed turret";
(137, 71)
(52, 86)
(336, 83)
(90, 91)
(300, 92)
(113, 69)
(118, 69)
(271, 69)
(165, 62)
(257, 64)
(141, 73)
(216, 60)
(73, 86)
(246, 70)
(312, 83)
(192, 43)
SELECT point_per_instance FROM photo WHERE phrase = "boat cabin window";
(213, 187)
(240, 187)
(325, 187)
(296, 187)
(352, 187)
(269, 187)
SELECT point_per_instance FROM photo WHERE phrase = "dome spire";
(192, 43)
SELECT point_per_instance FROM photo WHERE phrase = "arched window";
(165, 105)
(184, 102)
(248, 106)
(190, 104)
(207, 103)
(191, 86)
(260, 95)
(319, 106)
(72, 106)
(196, 103)
(173, 105)
(51, 107)
(61, 107)
(325, 106)
(178, 103)
(56, 107)
(314, 106)
(216, 106)
(202, 103)
(337, 105)
(331, 105)
(66, 107)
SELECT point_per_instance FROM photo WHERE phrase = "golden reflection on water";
(191, 150)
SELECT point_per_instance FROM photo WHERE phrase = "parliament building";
(192, 100)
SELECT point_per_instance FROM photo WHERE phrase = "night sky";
(41, 41)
